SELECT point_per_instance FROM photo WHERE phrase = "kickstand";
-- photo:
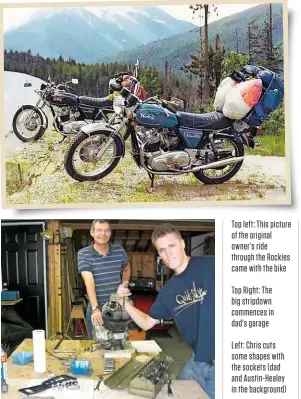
(152, 178)
(62, 139)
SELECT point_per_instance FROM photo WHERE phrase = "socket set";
(58, 382)
(109, 366)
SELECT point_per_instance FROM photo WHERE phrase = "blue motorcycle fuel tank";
(154, 115)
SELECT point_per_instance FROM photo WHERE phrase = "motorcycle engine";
(114, 332)
(165, 161)
(160, 150)
(158, 138)
(67, 120)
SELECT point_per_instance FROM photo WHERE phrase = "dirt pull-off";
(46, 182)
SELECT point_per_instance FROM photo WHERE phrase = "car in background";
(144, 294)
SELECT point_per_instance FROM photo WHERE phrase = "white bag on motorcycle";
(225, 85)
(242, 98)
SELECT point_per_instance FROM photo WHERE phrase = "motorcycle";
(70, 112)
(164, 142)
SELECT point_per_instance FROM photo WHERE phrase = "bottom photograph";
(108, 308)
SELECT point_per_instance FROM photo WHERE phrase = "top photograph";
(109, 106)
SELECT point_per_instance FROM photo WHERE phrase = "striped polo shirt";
(105, 269)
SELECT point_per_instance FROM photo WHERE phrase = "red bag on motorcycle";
(242, 98)
(140, 92)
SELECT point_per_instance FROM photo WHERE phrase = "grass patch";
(270, 146)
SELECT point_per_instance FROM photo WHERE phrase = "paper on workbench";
(146, 346)
(86, 390)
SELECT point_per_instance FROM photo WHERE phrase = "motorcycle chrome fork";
(110, 140)
(32, 112)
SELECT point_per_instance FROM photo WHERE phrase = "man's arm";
(96, 315)
(126, 273)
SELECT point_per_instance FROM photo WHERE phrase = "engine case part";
(73, 127)
(114, 332)
(168, 160)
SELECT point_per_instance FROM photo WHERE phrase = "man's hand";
(96, 318)
(122, 292)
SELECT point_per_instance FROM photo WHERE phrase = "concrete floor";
(174, 346)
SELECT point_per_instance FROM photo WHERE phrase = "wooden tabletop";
(181, 390)
(54, 365)
(19, 375)
(11, 303)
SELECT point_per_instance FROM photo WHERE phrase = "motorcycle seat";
(95, 102)
(211, 120)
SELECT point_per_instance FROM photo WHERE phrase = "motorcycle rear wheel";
(84, 148)
(33, 129)
(211, 176)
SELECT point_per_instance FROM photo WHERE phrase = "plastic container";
(22, 357)
(4, 383)
(80, 366)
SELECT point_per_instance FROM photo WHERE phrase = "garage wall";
(198, 244)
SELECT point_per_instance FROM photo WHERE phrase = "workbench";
(19, 375)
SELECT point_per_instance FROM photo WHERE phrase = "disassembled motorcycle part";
(114, 332)
(50, 383)
(109, 366)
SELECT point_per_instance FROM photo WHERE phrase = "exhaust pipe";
(222, 162)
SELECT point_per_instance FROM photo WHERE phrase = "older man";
(188, 297)
(101, 265)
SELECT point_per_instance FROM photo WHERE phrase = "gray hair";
(99, 221)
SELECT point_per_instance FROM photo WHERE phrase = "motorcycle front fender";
(45, 118)
(94, 127)
(103, 128)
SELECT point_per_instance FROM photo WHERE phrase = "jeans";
(89, 321)
(203, 373)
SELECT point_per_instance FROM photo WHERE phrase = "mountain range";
(90, 36)
(125, 34)
(232, 31)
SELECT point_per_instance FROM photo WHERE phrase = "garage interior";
(39, 261)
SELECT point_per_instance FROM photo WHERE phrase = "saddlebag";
(271, 97)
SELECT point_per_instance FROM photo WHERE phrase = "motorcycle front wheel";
(224, 173)
(28, 123)
(81, 159)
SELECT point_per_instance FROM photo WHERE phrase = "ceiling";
(135, 235)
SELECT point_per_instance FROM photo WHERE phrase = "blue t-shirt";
(189, 299)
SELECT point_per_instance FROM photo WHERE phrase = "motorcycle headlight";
(118, 105)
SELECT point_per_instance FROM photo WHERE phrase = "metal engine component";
(168, 160)
(170, 138)
(152, 139)
(114, 332)
(73, 127)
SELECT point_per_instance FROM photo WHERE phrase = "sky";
(14, 17)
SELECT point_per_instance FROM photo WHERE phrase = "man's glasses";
(106, 231)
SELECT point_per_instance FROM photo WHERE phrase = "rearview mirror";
(74, 81)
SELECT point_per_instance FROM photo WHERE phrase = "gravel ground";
(260, 178)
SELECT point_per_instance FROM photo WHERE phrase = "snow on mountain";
(89, 34)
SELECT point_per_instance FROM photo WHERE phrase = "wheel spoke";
(85, 160)
(28, 123)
